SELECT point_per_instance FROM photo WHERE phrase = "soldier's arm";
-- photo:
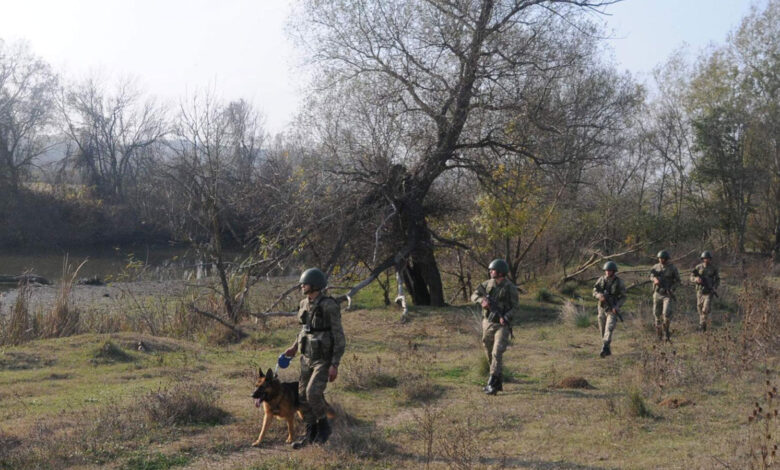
(478, 294)
(294, 348)
(597, 289)
(694, 275)
(336, 330)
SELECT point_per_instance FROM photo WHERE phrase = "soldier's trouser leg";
(494, 338)
(311, 389)
(663, 307)
(607, 324)
(602, 317)
(704, 306)
(611, 322)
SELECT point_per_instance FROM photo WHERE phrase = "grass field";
(408, 395)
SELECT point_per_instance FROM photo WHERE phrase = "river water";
(107, 264)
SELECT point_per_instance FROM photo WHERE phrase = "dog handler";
(322, 344)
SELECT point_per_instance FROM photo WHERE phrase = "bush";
(543, 295)
(576, 314)
(183, 404)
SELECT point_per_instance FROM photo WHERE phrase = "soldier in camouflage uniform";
(322, 344)
(707, 280)
(611, 293)
(498, 298)
(665, 278)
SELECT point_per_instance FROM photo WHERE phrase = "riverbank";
(106, 298)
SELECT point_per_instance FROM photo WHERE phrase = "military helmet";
(663, 254)
(610, 266)
(706, 254)
(499, 265)
(315, 278)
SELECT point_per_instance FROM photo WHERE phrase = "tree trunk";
(421, 274)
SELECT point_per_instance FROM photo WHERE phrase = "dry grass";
(185, 403)
(436, 416)
(18, 327)
(367, 374)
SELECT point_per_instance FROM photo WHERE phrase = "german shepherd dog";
(279, 400)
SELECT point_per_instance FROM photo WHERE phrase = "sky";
(239, 47)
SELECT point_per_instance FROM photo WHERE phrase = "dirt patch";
(574, 382)
(676, 402)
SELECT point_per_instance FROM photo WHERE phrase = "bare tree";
(111, 131)
(27, 87)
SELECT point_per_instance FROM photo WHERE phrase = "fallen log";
(24, 278)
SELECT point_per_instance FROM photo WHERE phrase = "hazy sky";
(239, 46)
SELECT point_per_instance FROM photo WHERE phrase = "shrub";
(183, 404)
(576, 314)
(543, 295)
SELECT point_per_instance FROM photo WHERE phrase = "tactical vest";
(666, 274)
(709, 273)
(500, 293)
(315, 338)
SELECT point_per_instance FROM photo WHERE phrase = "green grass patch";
(156, 461)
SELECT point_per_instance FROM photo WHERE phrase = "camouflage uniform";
(322, 344)
(495, 336)
(703, 295)
(616, 288)
(663, 298)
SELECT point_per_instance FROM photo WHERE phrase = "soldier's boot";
(660, 332)
(308, 437)
(703, 327)
(667, 334)
(605, 351)
(500, 383)
(491, 386)
(323, 431)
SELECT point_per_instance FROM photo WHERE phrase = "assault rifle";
(663, 285)
(496, 313)
(611, 302)
(706, 283)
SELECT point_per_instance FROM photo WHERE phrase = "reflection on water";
(107, 264)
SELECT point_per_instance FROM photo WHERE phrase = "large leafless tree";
(455, 79)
